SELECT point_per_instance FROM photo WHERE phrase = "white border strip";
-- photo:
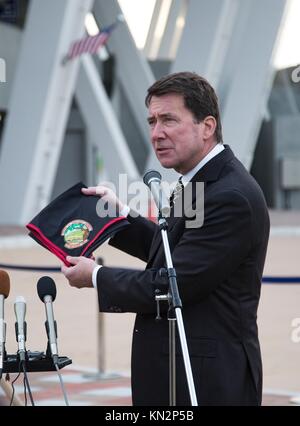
(285, 231)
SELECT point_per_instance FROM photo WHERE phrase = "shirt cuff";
(94, 276)
(125, 211)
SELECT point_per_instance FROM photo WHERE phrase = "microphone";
(20, 311)
(4, 292)
(152, 179)
(46, 289)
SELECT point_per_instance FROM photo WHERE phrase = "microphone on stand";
(21, 327)
(20, 311)
(4, 292)
(152, 179)
(46, 289)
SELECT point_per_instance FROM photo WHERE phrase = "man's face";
(179, 142)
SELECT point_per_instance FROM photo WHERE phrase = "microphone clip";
(21, 339)
(48, 350)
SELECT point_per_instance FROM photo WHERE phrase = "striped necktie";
(176, 192)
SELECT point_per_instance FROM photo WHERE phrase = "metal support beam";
(133, 70)
(163, 32)
(10, 38)
(173, 30)
(206, 36)
(249, 85)
(152, 43)
(103, 127)
(39, 106)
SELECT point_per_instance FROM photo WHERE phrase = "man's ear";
(210, 125)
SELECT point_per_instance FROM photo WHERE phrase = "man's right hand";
(106, 193)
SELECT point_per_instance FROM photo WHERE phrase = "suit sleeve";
(203, 257)
(137, 238)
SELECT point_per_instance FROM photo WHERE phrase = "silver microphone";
(20, 311)
(152, 179)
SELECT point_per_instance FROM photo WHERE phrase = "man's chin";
(167, 164)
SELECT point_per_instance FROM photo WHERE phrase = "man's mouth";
(163, 150)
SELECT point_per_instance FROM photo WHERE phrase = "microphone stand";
(175, 306)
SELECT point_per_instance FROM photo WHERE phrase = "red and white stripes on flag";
(90, 44)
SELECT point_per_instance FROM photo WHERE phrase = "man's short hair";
(199, 96)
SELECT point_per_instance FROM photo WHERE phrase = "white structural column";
(39, 107)
(10, 37)
(165, 29)
(133, 71)
(206, 37)
(248, 85)
(173, 30)
(152, 42)
(103, 126)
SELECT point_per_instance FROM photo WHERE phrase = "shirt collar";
(215, 151)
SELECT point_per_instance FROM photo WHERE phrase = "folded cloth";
(72, 225)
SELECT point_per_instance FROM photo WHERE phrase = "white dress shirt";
(215, 151)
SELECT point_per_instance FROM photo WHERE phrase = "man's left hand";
(79, 275)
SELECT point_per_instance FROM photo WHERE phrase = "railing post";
(101, 374)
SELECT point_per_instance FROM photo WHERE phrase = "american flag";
(90, 44)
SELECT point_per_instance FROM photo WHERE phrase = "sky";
(138, 15)
(288, 51)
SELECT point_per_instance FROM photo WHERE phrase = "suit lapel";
(209, 172)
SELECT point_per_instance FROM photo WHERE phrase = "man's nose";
(157, 131)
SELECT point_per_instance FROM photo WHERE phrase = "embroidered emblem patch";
(76, 233)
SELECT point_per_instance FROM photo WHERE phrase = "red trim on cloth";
(118, 219)
(57, 250)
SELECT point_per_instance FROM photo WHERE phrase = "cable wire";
(62, 384)
(25, 392)
(27, 383)
(12, 385)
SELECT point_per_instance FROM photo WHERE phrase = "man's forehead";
(165, 104)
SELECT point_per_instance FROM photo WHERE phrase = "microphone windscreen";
(46, 287)
(4, 283)
(151, 175)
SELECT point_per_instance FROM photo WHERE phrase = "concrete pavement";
(78, 319)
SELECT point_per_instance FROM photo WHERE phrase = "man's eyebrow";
(164, 115)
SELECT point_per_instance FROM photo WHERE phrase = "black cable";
(62, 384)
(25, 392)
(27, 383)
(12, 385)
(31, 268)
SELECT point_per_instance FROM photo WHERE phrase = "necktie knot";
(176, 191)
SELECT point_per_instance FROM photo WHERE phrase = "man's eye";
(169, 120)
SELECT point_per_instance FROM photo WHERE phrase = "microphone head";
(20, 308)
(46, 287)
(4, 284)
(151, 175)
(20, 299)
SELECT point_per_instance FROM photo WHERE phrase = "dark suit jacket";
(219, 268)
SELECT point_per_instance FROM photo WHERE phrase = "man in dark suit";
(219, 263)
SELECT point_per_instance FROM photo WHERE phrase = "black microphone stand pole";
(175, 306)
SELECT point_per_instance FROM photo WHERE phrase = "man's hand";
(106, 193)
(79, 275)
